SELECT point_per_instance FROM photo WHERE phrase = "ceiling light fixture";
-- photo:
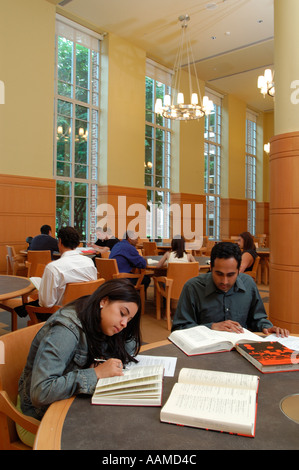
(266, 83)
(174, 106)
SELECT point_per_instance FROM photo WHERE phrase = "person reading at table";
(223, 299)
(64, 358)
(44, 241)
(127, 257)
(177, 254)
(105, 241)
(247, 246)
(70, 267)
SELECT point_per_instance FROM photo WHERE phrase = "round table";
(11, 287)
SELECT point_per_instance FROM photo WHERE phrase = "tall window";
(212, 153)
(157, 154)
(76, 127)
(251, 171)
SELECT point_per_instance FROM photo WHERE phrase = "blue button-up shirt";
(127, 257)
(201, 303)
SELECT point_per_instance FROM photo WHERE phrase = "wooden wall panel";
(233, 216)
(25, 205)
(192, 213)
(126, 209)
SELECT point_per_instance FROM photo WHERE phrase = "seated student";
(246, 243)
(44, 241)
(105, 241)
(223, 299)
(177, 253)
(62, 358)
(127, 256)
(70, 267)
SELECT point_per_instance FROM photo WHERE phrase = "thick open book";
(203, 340)
(268, 356)
(139, 386)
(218, 401)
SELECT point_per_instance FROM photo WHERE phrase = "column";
(284, 170)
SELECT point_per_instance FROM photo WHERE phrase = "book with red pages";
(139, 386)
(213, 400)
(270, 356)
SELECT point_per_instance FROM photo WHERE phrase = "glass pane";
(82, 73)
(64, 66)
(80, 217)
(63, 188)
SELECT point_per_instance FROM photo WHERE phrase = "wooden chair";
(108, 269)
(171, 285)
(149, 249)
(253, 272)
(15, 263)
(14, 350)
(73, 291)
(37, 257)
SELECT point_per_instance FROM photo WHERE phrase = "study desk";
(76, 424)
(202, 261)
(11, 287)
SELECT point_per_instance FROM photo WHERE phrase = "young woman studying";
(247, 246)
(64, 358)
(177, 253)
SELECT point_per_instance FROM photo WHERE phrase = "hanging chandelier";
(174, 106)
(266, 83)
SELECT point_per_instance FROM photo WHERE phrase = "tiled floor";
(151, 328)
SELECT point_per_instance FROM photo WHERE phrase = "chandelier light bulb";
(180, 98)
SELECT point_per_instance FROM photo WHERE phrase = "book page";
(195, 337)
(212, 404)
(36, 281)
(220, 379)
(144, 374)
(169, 363)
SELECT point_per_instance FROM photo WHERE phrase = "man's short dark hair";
(69, 237)
(45, 229)
(226, 250)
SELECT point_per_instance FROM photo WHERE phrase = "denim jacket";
(55, 364)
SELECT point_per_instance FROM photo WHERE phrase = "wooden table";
(75, 424)
(202, 261)
(12, 287)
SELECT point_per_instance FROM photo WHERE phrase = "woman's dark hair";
(178, 246)
(226, 250)
(89, 312)
(248, 241)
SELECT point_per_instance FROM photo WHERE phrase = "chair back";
(180, 273)
(14, 262)
(74, 290)
(253, 272)
(14, 349)
(37, 257)
(107, 268)
(149, 248)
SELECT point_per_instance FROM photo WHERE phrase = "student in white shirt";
(70, 267)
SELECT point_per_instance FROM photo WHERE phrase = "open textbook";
(219, 401)
(36, 281)
(203, 340)
(139, 386)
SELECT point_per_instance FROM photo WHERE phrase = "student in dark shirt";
(44, 241)
(246, 243)
(105, 241)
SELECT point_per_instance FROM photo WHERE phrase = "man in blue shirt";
(44, 241)
(223, 299)
(127, 256)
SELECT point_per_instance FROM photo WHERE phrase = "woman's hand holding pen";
(110, 368)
